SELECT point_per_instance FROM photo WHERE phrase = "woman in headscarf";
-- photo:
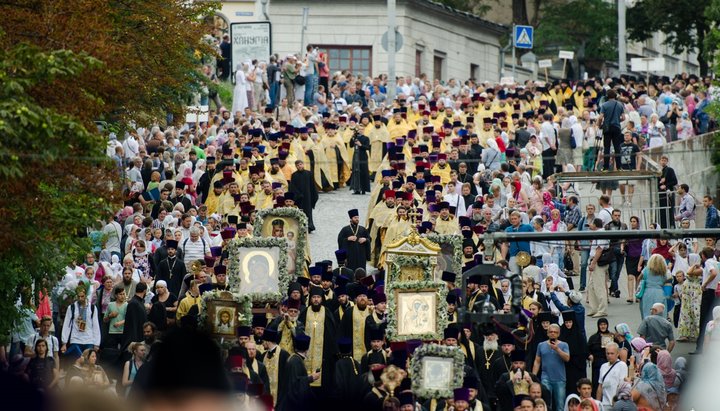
(664, 363)
(649, 391)
(596, 347)
(623, 398)
(689, 326)
(572, 403)
(200, 166)
(571, 334)
(491, 155)
(680, 367)
(711, 334)
(663, 248)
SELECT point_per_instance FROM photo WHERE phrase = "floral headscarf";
(665, 365)
(651, 386)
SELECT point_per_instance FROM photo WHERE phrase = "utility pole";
(622, 51)
(305, 13)
(391, 50)
(513, 53)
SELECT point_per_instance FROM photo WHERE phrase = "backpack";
(186, 240)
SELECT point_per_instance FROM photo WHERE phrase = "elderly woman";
(491, 156)
(623, 401)
(649, 391)
(656, 132)
(654, 277)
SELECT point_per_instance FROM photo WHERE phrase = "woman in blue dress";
(655, 275)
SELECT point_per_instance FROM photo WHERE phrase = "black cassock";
(330, 336)
(576, 368)
(360, 180)
(135, 317)
(298, 397)
(357, 254)
(350, 386)
(261, 376)
(306, 195)
(266, 357)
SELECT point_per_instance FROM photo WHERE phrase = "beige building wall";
(434, 32)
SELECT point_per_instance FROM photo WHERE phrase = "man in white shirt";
(709, 283)
(605, 213)
(612, 373)
(81, 328)
(194, 248)
(597, 288)
(548, 138)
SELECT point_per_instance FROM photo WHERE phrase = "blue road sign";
(523, 37)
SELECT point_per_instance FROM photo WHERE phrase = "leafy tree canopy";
(684, 23)
(578, 24)
(63, 65)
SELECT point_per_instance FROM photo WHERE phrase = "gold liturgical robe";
(358, 325)
(378, 137)
(315, 329)
(332, 146)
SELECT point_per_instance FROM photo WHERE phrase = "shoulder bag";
(641, 287)
(607, 257)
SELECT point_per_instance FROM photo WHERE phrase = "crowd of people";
(446, 158)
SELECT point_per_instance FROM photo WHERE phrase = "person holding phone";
(551, 358)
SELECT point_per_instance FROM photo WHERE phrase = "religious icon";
(225, 321)
(437, 372)
(287, 228)
(416, 312)
(259, 270)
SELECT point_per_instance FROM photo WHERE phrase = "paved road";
(330, 216)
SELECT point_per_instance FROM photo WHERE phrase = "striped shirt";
(194, 250)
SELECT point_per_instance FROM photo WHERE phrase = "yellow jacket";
(186, 304)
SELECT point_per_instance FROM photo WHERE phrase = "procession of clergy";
(328, 342)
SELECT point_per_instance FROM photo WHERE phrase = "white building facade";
(437, 40)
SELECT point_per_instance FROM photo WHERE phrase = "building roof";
(442, 8)
(500, 28)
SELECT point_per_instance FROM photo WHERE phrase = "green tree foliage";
(63, 65)
(580, 25)
(53, 175)
(684, 23)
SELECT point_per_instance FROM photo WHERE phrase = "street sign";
(523, 37)
(567, 55)
(398, 41)
(544, 63)
(648, 64)
(250, 41)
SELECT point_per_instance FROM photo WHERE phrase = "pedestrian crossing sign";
(523, 36)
